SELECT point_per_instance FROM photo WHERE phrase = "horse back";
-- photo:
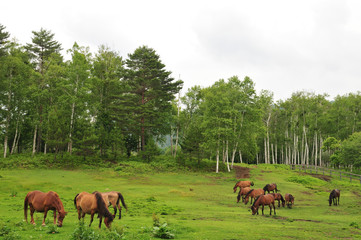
(86, 201)
(257, 192)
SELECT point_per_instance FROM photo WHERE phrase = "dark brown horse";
(264, 200)
(113, 200)
(91, 203)
(242, 184)
(253, 194)
(242, 193)
(279, 197)
(334, 196)
(43, 202)
(270, 187)
(289, 200)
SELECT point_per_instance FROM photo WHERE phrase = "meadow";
(182, 204)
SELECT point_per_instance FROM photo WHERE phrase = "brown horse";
(270, 187)
(242, 193)
(43, 202)
(289, 200)
(279, 198)
(91, 203)
(113, 200)
(242, 184)
(253, 193)
(264, 200)
(334, 196)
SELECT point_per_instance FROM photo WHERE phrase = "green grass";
(194, 205)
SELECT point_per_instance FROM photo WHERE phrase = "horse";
(91, 203)
(242, 193)
(253, 193)
(242, 184)
(43, 202)
(270, 187)
(264, 200)
(289, 199)
(113, 200)
(279, 197)
(334, 196)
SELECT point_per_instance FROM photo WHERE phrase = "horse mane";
(282, 199)
(102, 208)
(120, 196)
(249, 193)
(256, 200)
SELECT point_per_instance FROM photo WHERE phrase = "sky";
(284, 46)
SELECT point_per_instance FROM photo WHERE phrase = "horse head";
(235, 189)
(254, 210)
(108, 220)
(61, 217)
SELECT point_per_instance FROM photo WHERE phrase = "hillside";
(194, 205)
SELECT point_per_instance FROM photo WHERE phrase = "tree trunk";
(34, 140)
(227, 157)
(15, 138)
(177, 132)
(234, 154)
(240, 156)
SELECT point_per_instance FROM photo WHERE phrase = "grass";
(188, 205)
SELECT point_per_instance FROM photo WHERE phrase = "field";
(191, 205)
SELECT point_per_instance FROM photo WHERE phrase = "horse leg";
(54, 217)
(262, 209)
(100, 221)
(45, 213)
(274, 208)
(79, 213)
(91, 217)
(32, 210)
(270, 209)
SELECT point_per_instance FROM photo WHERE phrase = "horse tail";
(75, 200)
(120, 196)
(26, 203)
(102, 208)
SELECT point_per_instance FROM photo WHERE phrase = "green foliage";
(351, 150)
(161, 230)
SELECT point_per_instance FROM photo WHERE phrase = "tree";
(42, 47)
(4, 42)
(351, 150)
(148, 92)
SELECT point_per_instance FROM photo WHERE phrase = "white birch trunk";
(227, 157)
(34, 140)
(240, 157)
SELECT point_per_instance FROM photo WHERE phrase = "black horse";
(334, 197)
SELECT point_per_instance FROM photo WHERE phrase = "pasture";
(194, 205)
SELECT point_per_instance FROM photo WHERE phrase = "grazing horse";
(91, 203)
(242, 193)
(289, 200)
(270, 187)
(242, 184)
(43, 202)
(113, 199)
(279, 197)
(264, 200)
(253, 194)
(334, 196)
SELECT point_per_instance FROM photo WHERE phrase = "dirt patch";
(307, 193)
(241, 172)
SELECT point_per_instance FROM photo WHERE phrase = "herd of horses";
(260, 198)
(98, 203)
(85, 203)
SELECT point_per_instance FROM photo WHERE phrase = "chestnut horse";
(253, 193)
(113, 199)
(43, 202)
(242, 184)
(242, 193)
(279, 198)
(289, 200)
(264, 200)
(270, 187)
(334, 196)
(91, 203)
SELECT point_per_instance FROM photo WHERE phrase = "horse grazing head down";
(335, 193)
(61, 217)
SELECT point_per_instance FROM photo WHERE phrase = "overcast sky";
(283, 46)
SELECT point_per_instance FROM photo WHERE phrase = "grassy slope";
(195, 205)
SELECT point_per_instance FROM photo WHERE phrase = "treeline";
(103, 105)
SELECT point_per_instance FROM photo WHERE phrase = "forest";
(108, 106)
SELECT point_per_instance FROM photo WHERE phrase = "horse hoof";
(43, 225)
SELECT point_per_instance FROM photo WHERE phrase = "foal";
(289, 200)
(334, 196)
